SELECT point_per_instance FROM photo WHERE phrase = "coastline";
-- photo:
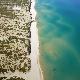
(15, 41)
(36, 69)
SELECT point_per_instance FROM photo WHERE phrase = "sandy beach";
(36, 69)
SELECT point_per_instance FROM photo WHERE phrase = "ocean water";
(58, 22)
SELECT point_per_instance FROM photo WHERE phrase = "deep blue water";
(58, 22)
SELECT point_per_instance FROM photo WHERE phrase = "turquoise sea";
(58, 22)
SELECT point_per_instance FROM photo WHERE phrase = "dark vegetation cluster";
(15, 45)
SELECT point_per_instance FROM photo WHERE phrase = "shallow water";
(58, 22)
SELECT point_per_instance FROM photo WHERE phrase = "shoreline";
(33, 70)
(35, 46)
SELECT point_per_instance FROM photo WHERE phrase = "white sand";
(35, 70)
